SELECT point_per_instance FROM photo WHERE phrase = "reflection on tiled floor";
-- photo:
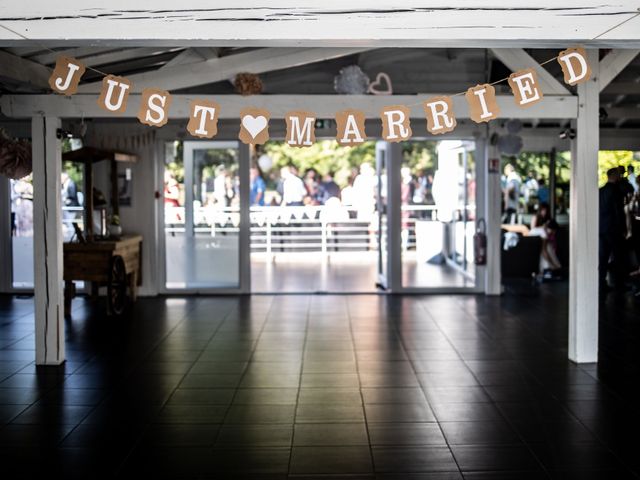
(276, 387)
(340, 272)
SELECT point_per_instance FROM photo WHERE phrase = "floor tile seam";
(300, 372)
(421, 386)
(364, 410)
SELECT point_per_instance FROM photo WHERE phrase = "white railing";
(303, 228)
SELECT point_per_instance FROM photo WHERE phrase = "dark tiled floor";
(360, 387)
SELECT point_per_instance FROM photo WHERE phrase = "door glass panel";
(202, 215)
(438, 214)
(22, 231)
(380, 217)
(71, 200)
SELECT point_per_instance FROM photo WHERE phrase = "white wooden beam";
(369, 23)
(188, 55)
(220, 69)
(123, 55)
(517, 59)
(583, 223)
(623, 112)
(325, 106)
(613, 64)
(48, 58)
(623, 88)
(192, 55)
(24, 71)
(47, 241)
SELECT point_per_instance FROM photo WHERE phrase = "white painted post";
(244, 240)
(480, 157)
(493, 215)
(269, 255)
(394, 217)
(583, 241)
(47, 241)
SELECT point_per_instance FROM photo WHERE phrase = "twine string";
(496, 82)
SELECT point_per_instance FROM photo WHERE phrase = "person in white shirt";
(293, 189)
(364, 191)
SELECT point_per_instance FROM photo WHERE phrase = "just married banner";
(254, 123)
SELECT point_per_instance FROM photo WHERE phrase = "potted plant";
(115, 229)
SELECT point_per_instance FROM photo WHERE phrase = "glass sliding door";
(202, 216)
(438, 196)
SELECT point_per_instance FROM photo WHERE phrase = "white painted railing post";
(269, 255)
(47, 241)
(323, 239)
(583, 217)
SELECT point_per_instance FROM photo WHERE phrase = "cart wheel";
(117, 286)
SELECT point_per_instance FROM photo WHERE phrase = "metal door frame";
(244, 246)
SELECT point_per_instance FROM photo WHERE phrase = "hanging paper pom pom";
(15, 157)
(265, 162)
(351, 81)
(247, 84)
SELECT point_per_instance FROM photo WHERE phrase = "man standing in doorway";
(293, 190)
(612, 230)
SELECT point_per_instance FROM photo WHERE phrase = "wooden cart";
(116, 264)
(103, 261)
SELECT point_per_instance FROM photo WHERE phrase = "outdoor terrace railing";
(303, 228)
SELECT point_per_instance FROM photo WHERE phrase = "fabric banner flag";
(439, 113)
(203, 119)
(574, 65)
(112, 86)
(524, 85)
(350, 124)
(254, 126)
(483, 105)
(350, 128)
(154, 107)
(396, 124)
(66, 75)
(300, 128)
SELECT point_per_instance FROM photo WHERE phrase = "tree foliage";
(613, 158)
(327, 156)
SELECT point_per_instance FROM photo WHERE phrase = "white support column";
(394, 218)
(244, 159)
(583, 242)
(493, 218)
(47, 241)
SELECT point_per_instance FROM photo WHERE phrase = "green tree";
(612, 158)
(327, 156)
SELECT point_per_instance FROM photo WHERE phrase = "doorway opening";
(201, 216)
(325, 219)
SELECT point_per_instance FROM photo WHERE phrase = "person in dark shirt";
(612, 230)
(625, 186)
(328, 188)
